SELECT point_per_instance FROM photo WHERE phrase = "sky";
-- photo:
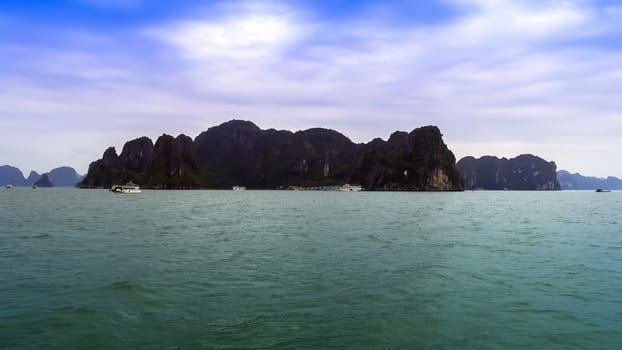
(498, 78)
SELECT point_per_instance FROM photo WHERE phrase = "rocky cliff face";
(136, 155)
(173, 164)
(44, 181)
(240, 153)
(416, 161)
(170, 163)
(525, 172)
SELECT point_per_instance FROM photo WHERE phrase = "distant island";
(44, 181)
(524, 172)
(58, 177)
(577, 181)
(240, 153)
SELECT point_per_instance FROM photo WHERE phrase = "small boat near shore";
(129, 187)
(238, 188)
(9, 186)
(350, 188)
(600, 190)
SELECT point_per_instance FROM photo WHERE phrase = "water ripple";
(280, 269)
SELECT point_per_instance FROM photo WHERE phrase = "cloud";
(499, 72)
(518, 20)
(499, 77)
(249, 36)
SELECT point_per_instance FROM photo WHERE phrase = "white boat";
(350, 188)
(129, 187)
(238, 188)
(9, 186)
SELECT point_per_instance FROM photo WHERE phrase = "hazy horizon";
(498, 78)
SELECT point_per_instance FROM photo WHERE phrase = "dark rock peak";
(139, 145)
(524, 172)
(110, 157)
(44, 181)
(183, 139)
(236, 124)
(230, 133)
(165, 145)
(33, 177)
(323, 133)
(398, 138)
(110, 153)
(429, 139)
(168, 143)
(376, 143)
(428, 129)
(428, 135)
(143, 141)
(418, 161)
(136, 154)
(233, 127)
(164, 138)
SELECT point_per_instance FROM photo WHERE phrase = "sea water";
(89, 269)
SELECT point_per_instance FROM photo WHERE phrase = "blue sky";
(498, 77)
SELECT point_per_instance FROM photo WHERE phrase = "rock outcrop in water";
(525, 172)
(34, 177)
(416, 161)
(10, 175)
(59, 177)
(170, 163)
(240, 153)
(576, 181)
(44, 181)
(64, 177)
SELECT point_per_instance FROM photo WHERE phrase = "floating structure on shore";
(342, 188)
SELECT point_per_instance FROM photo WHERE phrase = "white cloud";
(503, 78)
(516, 20)
(250, 33)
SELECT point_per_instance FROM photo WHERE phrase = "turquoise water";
(325, 270)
